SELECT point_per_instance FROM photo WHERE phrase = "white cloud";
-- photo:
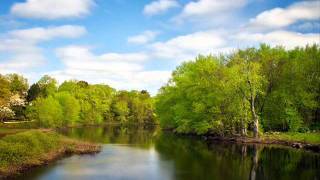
(22, 46)
(282, 17)
(21, 62)
(120, 70)
(188, 46)
(52, 9)
(143, 38)
(25, 40)
(208, 8)
(81, 58)
(284, 38)
(159, 6)
(43, 34)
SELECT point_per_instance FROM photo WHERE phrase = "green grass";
(7, 131)
(35, 147)
(312, 138)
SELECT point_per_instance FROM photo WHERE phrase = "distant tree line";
(256, 89)
(72, 103)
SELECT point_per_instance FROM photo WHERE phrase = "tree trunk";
(255, 119)
(243, 128)
(255, 161)
(245, 120)
(243, 152)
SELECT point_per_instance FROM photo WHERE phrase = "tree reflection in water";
(191, 158)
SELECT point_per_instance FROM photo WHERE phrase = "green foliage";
(47, 111)
(293, 118)
(48, 86)
(120, 110)
(4, 90)
(133, 107)
(22, 147)
(79, 103)
(43, 88)
(70, 107)
(35, 147)
(33, 92)
(13, 88)
(313, 138)
(18, 84)
(228, 94)
(196, 97)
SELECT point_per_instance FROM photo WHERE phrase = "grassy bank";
(6, 131)
(307, 141)
(22, 151)
(306, 138)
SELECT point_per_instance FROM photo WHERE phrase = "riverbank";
(306, 141)
(25, 150)
(6, 131)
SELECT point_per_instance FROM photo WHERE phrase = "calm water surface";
(149, 154)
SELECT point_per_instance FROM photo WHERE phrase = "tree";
(13, 89)
(48, 86)
(4, 91)
(121, 111)
(274, 87)
(18, 84)
(33, 92)
(195, 98)
(5, 113)
(43, 88)
(250, 81)
(70, 108)
(46, 111)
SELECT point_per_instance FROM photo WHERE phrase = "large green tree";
(268, 86)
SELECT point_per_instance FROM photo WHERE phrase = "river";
(149, 154)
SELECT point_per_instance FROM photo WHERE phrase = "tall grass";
(312, 138)
(35, 147)
(26, 146)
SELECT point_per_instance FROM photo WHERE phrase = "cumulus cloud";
(52, 9)
(81, 58)
(143, 38)
(159, 6)
(43, 34)
(207, 8)
(22, 46)
(186, 47)
(282, 17)
(287, 39)
(120, 70)
(21, 62)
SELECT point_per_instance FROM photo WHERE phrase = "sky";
(135, 44)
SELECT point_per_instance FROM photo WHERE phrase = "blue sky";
(136, 44)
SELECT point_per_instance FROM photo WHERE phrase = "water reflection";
(147, 153)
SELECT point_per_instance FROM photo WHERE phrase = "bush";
(22, 147)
